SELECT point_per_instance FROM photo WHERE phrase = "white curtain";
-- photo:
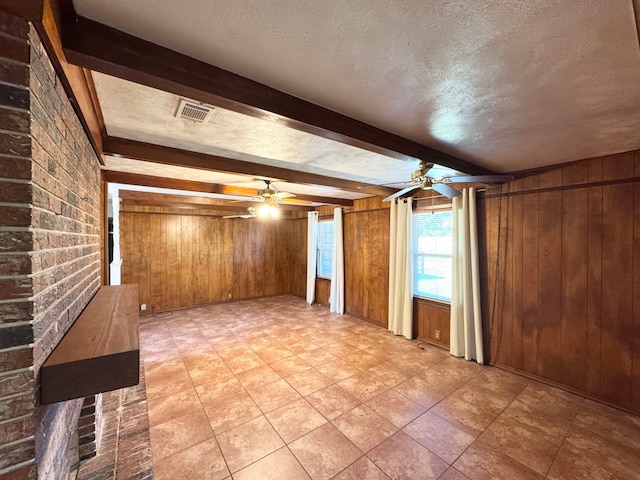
(400, 294)
(312, 255)
(336, 297)
(466, 318)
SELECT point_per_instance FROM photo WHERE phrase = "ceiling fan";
(271, 194)
(270, 198)
(253, 213)
(441, 185)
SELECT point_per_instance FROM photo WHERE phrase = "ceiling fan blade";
(446, 190)
(400, 193)
(294, 201)
(479, 179)
(281, 195)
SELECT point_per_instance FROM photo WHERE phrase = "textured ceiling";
(169, 171)
(508, 85)
(141, 113)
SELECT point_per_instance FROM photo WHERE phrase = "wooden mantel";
(100, 352)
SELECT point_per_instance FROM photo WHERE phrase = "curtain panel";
(312, 255)
(336, 296)
(400, 274)
(466, 317)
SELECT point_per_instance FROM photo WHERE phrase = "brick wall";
(17, 409)
(125, 450)
(49, 248)
(89, 427)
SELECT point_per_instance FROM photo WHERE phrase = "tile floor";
(276, 389)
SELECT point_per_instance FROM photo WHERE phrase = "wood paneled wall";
(560, 254)
(292, 265)
(181, 260)
(366, 251)
(430, 316)
(366, 264)
(366, 260)
(323, 291)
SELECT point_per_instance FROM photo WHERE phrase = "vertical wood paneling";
(505, 278)
(294, 241)
(268, 252)
(353, 268)
(517, 281)
(594, 281)
(364, 265)
(380, 266)
(323, 290)
(617, 266)
(282, 255)
(493, 211)
(529, 274)
(157, 265)
(172, 229)
(247, 258)
(430, 316)
(444, 324)
(201, 233)
(222, 270)
(572, 277)
(574, 287)
(186, 260)
(366, 252)
(144, 252)
(635, 376)
(550, 285)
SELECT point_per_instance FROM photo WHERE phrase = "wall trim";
(560, 188)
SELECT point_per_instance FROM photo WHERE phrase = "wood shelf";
(101, 350)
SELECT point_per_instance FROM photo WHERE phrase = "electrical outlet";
(437, 334)
(143, 307)
(229, 295)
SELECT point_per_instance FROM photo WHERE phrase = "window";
(325, 248)
(432, 244)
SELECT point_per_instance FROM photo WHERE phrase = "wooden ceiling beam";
(205, 187)
(134, 195)
(186, 201)
(76, 81)
(99, 47)
(149, 152)
(29, 9)
(224, 209)
(126, 178)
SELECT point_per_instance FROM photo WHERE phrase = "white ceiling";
(141, 113)
(508, 85)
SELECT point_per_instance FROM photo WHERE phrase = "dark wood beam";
(161, 198)
(194, 186)
(173, 183)
(77, 82)
(149, 152)
(218, 209)
(102, 48)
(29, 9)
(186, 201)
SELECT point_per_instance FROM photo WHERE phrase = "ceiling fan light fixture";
(268, 211)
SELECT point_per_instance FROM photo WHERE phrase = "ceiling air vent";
(194, 112)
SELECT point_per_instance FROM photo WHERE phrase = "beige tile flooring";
(276, 389)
